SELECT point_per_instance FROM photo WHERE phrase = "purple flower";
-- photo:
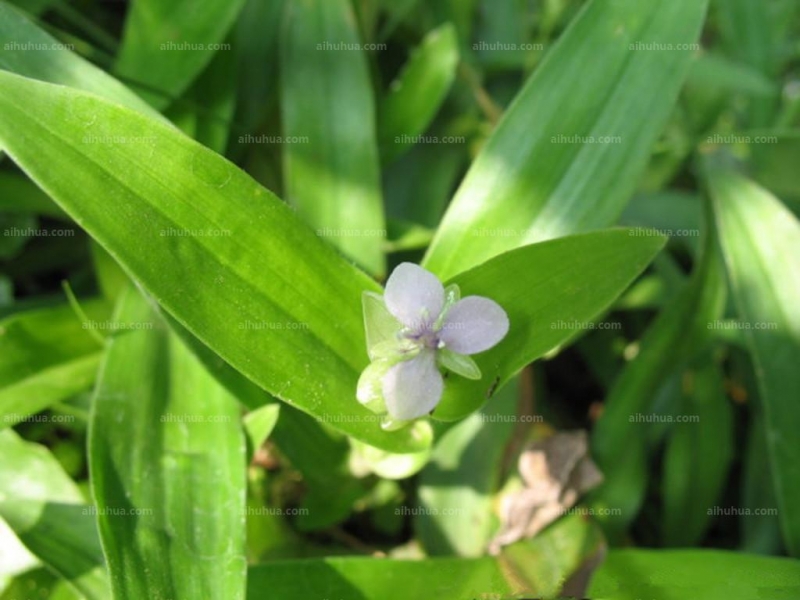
(417, 328)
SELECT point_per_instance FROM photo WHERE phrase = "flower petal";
(414, 296)
(413, 387)
(473, 324)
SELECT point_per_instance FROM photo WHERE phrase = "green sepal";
(460, 364)
(380, 327)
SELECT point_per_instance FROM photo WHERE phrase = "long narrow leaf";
(571, 148)
(761, 244)
(189, 225)
(167, 458)
(331, 165)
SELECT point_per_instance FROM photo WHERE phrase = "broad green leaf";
(46, 356)
(457, 487)
(619, 436)
(205, 111)
(167, 463)
(698, 458)
(550, 292)
(761, 529)
(46, 510)
(255, 40)
(503, 35)
(56, 64)
(761, 245)
(168, 43)
(376, 579)
(418, 92)
(747, 35)
(332, 174)
(198, 228)
(63, 536)
(537, 568)
(548, 169)
(558, 562)
(707, 574)
(717, 72)
(35, 583)
(34, 7)
(14, 556)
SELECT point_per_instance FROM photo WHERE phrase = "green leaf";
(459, 12)
(206, 110)
(418, 92)
(321, 455)
(34, 7)
(761, 245)
(258, 425)
(706, 574)
(761, 529)
(46, 510)
(255, 40)
(538, 177)
(46, 356)
(405, 236)
(547, 302)
(746, 32)
(457, 487)
(111, 279)
(717, 72)
(167, 463)
(675, 214)
(197, 227)
(396, 11)
(34, 583)
(376, 579)
(418, 186)
(698, 458)
(57, 64)
(16, 557)
(504, 30)
(332, 173)
(537, 568)
(619, 436)
(556, 563)
(168, 43)
(775, 164)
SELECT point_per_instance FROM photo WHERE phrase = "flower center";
(426, 338)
